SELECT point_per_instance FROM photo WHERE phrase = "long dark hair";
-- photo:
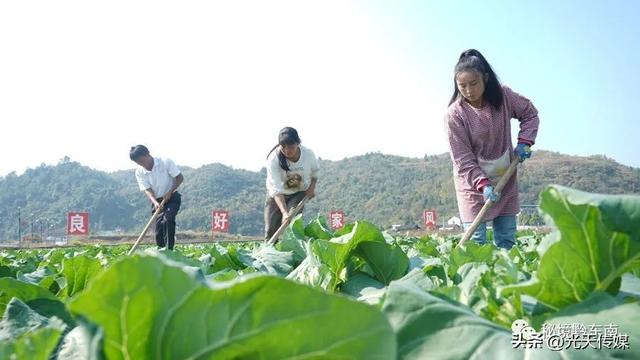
(472, 60)
(287, 136)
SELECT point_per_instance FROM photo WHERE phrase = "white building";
(453, 221)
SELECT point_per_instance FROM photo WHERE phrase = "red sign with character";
(78, 223)
(336, 220)
(220, 221)
(429, 217)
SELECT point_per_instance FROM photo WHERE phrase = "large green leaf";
(271, 261)
(55, 257)
(361, 231)
(7, 271)
(176, 256)
(36, 345)
(10, 288)
(470, 253)
(78, 271)
(331, 254)
(428, 327)
(312, 271)
(318, 229)
(225, 258)
(290, 242)
(467, 280)
(37, 297)
(36, 277)
(347, 228)
(19, 319)
(85, 341)
(420, 279)
(297, 226)
(44, 276)
(596, 241)
(426, 246)
(26, 334)
(388, 262)
(151, 310)
(364, 288)
(603, 310)
(292, 239)
(337, 251)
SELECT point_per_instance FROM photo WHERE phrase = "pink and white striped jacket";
(481, 150)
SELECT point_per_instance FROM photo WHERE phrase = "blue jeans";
(504, 231)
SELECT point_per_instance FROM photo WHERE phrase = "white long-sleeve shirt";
(297, 179)
(160, 178)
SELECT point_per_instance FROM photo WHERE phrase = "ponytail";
(287, 136)
(282, 160)
(473, 60)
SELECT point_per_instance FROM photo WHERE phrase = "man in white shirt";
(159, 179)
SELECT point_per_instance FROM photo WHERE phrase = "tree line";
(381, 188)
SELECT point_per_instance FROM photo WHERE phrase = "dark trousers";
(273, 215)
(166, 222)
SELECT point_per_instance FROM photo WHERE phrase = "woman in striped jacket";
(478, 124)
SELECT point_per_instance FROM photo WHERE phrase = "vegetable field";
(357, 293)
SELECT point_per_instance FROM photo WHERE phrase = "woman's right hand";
(285, 217)
(488, 193)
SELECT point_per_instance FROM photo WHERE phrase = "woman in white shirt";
(292, 173)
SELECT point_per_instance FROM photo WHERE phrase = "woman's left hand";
(310, 193)
(523, 151)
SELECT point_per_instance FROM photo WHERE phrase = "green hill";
(382, 188)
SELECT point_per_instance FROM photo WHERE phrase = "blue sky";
(578, 61)
(214, 81)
